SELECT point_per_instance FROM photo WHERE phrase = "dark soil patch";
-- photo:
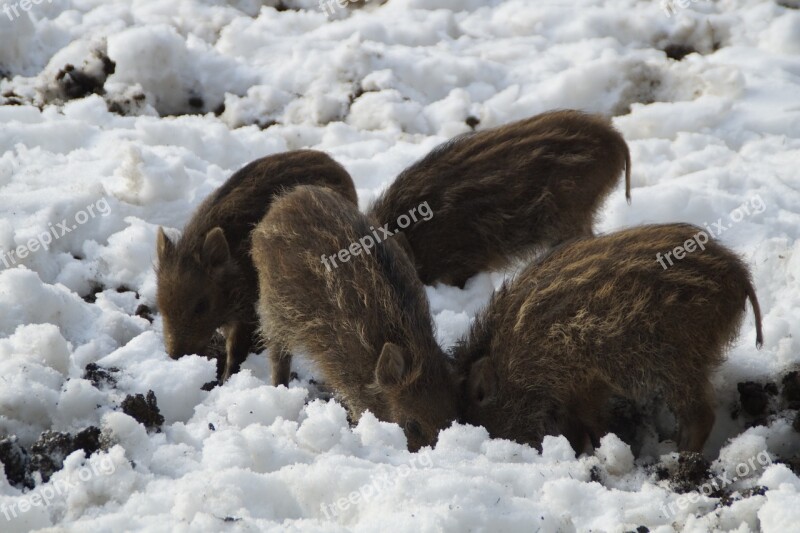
(196, 102)
(46, 456)
(95, 289)
(127, 105)
(357, 93)
(72, 82)
(144, 410)
(77, 84)
(88, 440)
(753, 398)
(643, 87)
(16, 461)
(99, 375)
(728, 499)
(679, 51)
(144, 311)
(12, 98)
(757, 402)
(692, 472)
(791, 389)
(48, 453)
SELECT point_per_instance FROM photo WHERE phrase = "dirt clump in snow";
(144, 410)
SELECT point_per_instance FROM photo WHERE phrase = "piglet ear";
(482, 382)
(164, 246)
(215, 248)
(394, 366)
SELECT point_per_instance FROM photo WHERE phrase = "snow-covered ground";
(93, 162)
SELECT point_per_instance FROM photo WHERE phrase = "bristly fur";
(365, 323)
(600, 316)
(197, 294)
(501, 193)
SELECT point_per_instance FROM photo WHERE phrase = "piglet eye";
(201, 307)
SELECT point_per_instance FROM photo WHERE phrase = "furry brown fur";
(365, 323)
(206, 280)
(501, 193)
(600, 316)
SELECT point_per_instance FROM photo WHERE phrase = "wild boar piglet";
(206, 279)
(505, 192)
(601, 316)
(330, 286)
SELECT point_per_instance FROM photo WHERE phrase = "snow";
(202, 87)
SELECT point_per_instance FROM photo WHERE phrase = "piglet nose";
(174, 350)
(178, 351)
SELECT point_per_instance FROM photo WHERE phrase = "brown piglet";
(206, 279)
(331, 287)
(502, 193)
(599, 317)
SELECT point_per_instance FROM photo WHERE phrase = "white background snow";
(376, 88)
